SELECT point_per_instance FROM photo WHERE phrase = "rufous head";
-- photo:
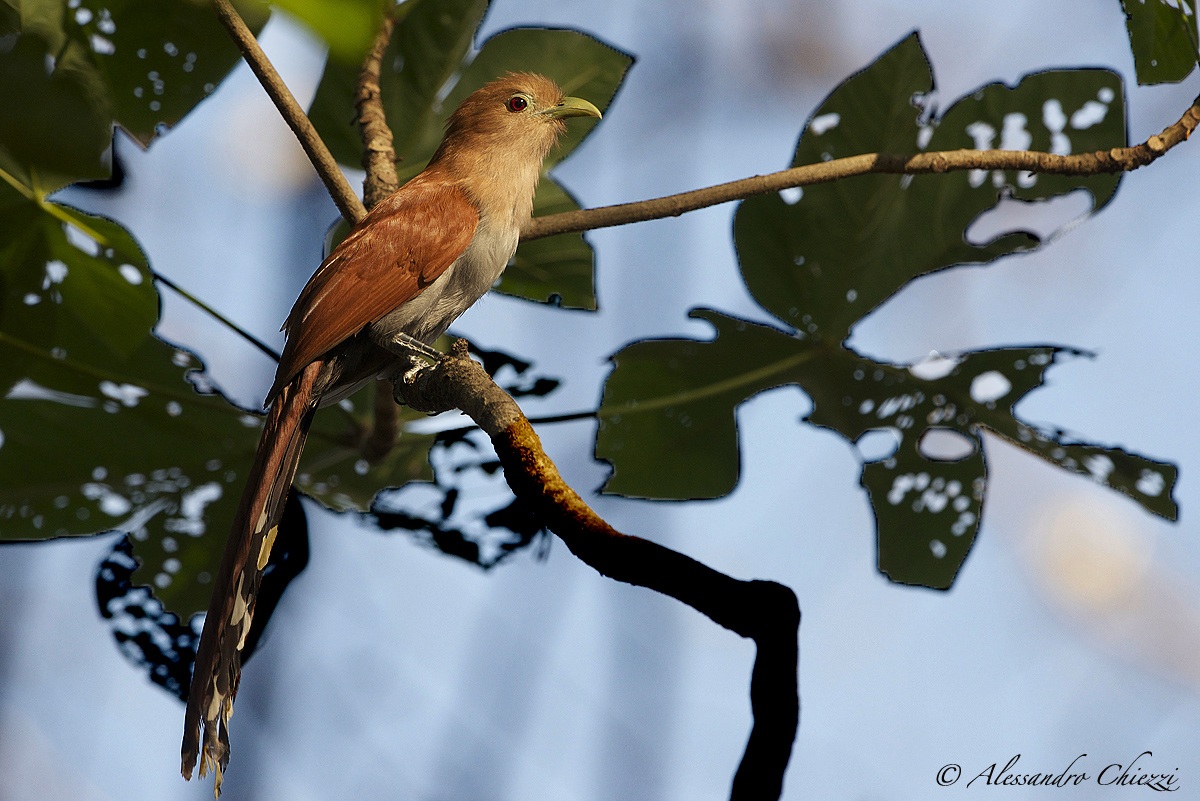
(520, 115)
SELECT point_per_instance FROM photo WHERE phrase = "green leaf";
(348, 27)
(825, 261)
(10, 17)
(41, 86)
(100, 427)
(104, 427)
(142, 64)
(666, 420)
(159, 57)
(430, 48)
(667, 425)
(1162, 36)
(68, 279)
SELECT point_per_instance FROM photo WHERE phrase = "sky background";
(392, 671)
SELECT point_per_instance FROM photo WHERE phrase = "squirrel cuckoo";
(416, 262)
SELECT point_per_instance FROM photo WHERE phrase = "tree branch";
(337, 185)
(1119, 159)
(379, 157)
(764, 611)
(379, 162)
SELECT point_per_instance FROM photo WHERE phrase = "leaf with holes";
(821, 262)
(667, 425)
(101, 427)
(827, 260)
(143, 64)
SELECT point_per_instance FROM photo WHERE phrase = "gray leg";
(404, 345)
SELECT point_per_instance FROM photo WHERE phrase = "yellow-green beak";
(572, 107)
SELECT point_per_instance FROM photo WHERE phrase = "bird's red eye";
(517, 103)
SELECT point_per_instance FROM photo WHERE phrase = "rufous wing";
(397, 250)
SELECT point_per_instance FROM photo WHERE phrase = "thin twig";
(761, 610)
(1119, 159)
(337, 185)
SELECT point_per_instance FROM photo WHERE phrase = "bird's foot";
(406, 345)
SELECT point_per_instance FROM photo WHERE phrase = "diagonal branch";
(1119, 159)
(337, 185)
(764, 611)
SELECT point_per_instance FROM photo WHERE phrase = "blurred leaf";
(68, 279)
(347, 26)
(428, 50)
(41, 86)
(823, 261)
(1162, 36)
(142, 64)
(100, 426)
(10, 17)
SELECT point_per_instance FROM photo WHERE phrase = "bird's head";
(508, 125)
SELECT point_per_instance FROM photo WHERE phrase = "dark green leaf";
(10, 17)
(668, 428)
(159, 57)
(554, 269)
(822, 262)
(41, 87)
(826, 260)
(143, 64)
(1162, 35)
(104, 427)
(100, 427)
(666, 421)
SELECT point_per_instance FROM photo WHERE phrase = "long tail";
(219, 656)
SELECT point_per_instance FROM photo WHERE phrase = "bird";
(403, 274)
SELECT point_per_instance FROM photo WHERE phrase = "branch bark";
(764, 611)
(1120, 159)
(337, 185)
(379, 156)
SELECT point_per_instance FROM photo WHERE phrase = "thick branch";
(1119, 159)
(337, 185)
(764, 611)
